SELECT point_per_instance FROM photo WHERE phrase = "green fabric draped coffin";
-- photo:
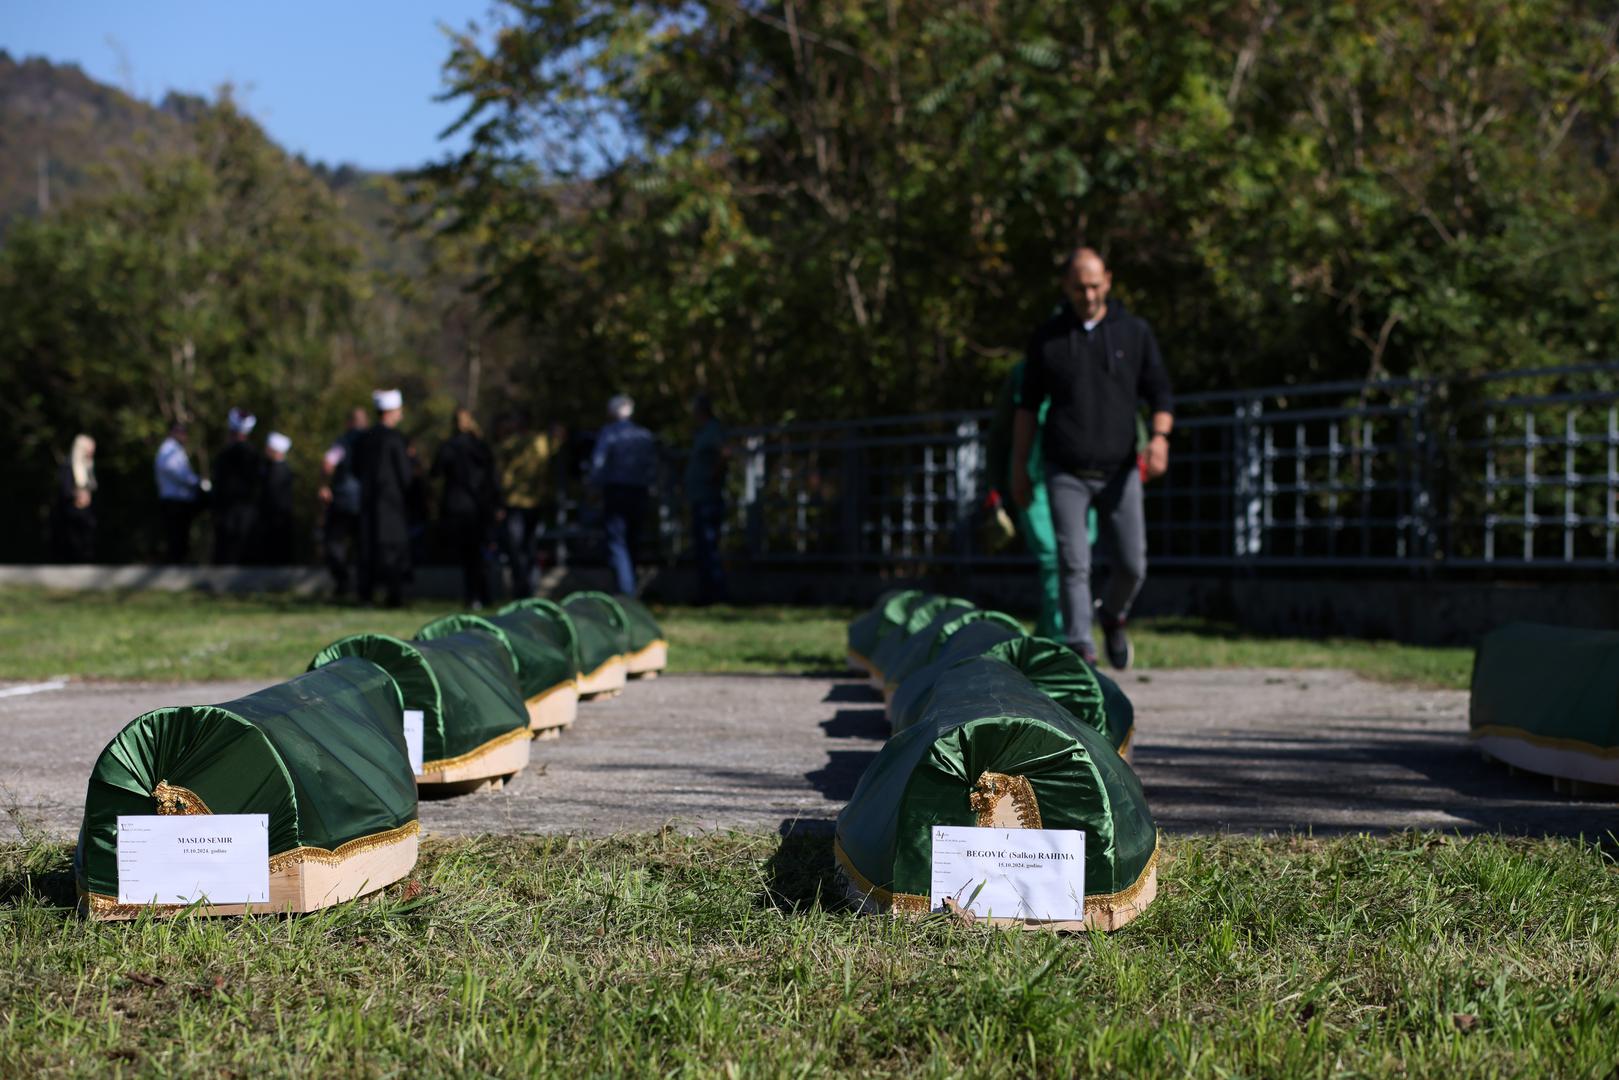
(465, 685)
(893, 644)
(642, 628)
(1546, 699)
(924, 646)
(540, 662)
(322, 755)
(866, 632)
(603, 629)
(1055, 670)
(986, 717)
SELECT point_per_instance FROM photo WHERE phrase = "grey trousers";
(1121, 530)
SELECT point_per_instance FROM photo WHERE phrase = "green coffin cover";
(643, 628)
(540, 665)
(986, 717)
(548, 619)
(463, 684)
(925, 646)
(885, 616)
(1055, 670)
(1553, 690)
(603, 630)
(323, 755)
(894, 643)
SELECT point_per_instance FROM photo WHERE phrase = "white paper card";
(413, 739)
(1010, 873)
(182, 858)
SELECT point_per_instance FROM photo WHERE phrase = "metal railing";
(1511, 470)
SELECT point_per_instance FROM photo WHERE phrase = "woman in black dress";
(73, 523)
(469, 504)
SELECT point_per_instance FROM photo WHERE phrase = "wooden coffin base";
(1577, 769)
(646, 663)
(486, 768)
(605, 681)
(555, 709)
(1008, 802)
(301, 880)
(858, 664)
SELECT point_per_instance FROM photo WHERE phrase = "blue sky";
(340, 81)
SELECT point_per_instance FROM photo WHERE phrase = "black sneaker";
(1120, 653)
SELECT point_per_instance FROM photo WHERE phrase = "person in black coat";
(238, 469)
(470, 502)
(385, 474)
(275, 503)
(73, 522)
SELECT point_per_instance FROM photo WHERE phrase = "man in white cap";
(384, 469)
(624, 465)
(237, 471)
(275, 503)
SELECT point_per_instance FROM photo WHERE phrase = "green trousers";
(1038, 532)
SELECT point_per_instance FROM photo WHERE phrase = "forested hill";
(63, 136)
(60, 132)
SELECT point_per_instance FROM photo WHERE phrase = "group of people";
(249, 494)
(1075, 466)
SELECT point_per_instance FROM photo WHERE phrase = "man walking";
(384, 471)
(178, 491)
(624, 465)
(1095, 363)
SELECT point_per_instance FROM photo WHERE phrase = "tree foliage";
(221, 274)
(855, 206)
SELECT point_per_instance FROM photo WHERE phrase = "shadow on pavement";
(1353, 778)
(862, 693)
(857, 724)
(836, 779)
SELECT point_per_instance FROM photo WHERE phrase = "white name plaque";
(413, 739)
(183, 858)
(1010, 873)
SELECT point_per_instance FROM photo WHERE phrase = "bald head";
(1086, 282)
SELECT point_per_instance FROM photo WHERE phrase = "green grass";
(180, 636)
(724, 955)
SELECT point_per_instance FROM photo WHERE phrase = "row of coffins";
(992, 728)
(1545, 699)
(327, 758)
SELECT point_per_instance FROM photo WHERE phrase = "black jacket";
(383, 467)
(471, 488)
(1095, 381)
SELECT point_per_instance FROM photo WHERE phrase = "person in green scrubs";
(1034, 523)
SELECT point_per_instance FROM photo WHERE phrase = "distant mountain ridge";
(64, 135)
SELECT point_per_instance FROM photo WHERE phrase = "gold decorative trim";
(1549, 742)
(174, 799)
(101, 905)
(604, 665)
(912, 904)
(628, 657)
(1108, 903)
(342, 851)
(864, 662)
(994, 786)
(1129, 737)
(566, 684)
(493, 744)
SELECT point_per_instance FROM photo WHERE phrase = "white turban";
(278, 442)
(387, 400)
(241, 423)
